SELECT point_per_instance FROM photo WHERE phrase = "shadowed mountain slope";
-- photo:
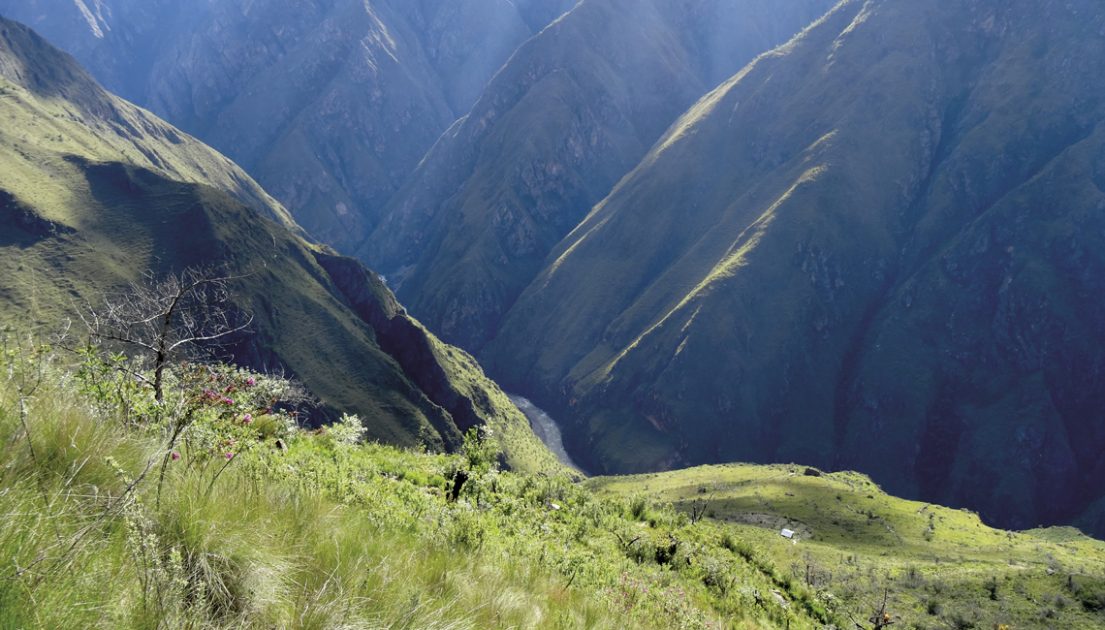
(878, 247)
(573, 111)
(94, 191)
(329, 103)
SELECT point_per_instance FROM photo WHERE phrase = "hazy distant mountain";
(94, 191)
(879, 247)
(328, 103)
(572, 112)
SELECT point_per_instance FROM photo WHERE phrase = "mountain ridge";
(572, 111)
(328, 103)
(92, 212)
(761, 312)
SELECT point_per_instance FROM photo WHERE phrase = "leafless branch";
(165, 319)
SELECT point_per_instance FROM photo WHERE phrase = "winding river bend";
(546, 428)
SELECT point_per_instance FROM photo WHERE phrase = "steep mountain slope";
(574, 110)
(93, 191)
(878, 247)
(52, 103)
(328, 103)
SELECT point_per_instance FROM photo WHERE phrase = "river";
(546, 428)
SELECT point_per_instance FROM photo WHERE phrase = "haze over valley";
(813, 291)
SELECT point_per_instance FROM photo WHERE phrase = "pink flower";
(247, 419)
(228, 401)
(175, 456)
(229, 456)
(251, 381)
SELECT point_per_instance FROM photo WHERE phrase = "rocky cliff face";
(875, 248)
(402, 338)
(573, 111)
(328, 103)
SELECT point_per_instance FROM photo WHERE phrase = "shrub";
(347, 431)
(480, 449)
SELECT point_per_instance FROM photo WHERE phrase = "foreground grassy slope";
(322, 535)
(320, 532)
(876, 248)
(94, 193)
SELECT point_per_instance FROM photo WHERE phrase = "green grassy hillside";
(329, 104)
(51, 107)
(94, 193)
(109, 522)
(569, 114)
(875, 248)
(943, 567)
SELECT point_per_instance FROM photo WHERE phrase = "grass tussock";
(247, 521)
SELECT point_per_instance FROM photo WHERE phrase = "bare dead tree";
(627, 544)
(880, 618)
(698, 508)
(169, 318)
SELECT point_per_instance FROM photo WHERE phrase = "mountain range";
(95, 191)
(572, 112)
(877, 247)
(863, 234)
(328, 103)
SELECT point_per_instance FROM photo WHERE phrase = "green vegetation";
(942, 567)
(96, 193)
(313, 532)
(328, 106)
(53, 111)
(878, 248)
(214, 510)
